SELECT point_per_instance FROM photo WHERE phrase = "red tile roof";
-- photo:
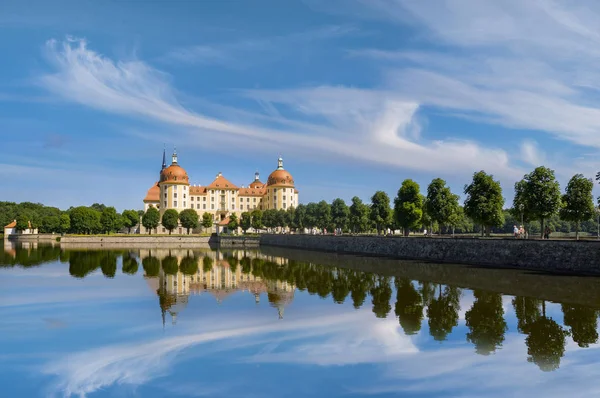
(12, 224)
(222, 183)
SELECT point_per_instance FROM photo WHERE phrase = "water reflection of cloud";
(346, 339)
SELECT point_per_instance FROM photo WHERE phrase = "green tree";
(312, 215)
(409, 306)
(130, 219)
(290, 217)
(359, 216)
(323, 215)
(50, 223)
(189, 219)
(486, 323)
(23, 220)
(442, 204)
(408, 206)
(207, 220)
(233, 222)
(339, 214)
(108, 264)
(381, 213)
(109, 219)
(281, 219)
(170, 220)
(300, 217)
(257, 222)
(527, 310)
(65, 223)
(578, 201)
(207, 263)
(245, 221)
(85, 220)
(484, 201)
(539, 193)
(150, 219)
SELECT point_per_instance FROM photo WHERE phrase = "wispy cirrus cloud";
(373, 126)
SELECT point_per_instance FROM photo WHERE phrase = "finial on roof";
(280, 163)
(164, 163)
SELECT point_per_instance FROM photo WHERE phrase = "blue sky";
(356, 95)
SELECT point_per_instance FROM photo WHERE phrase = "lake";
(167, 322)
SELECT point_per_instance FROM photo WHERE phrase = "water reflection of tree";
(189, 265)
(583, 322)
(108, 264)
(443, 312)
(527, 310)
(485, 321)
(82, 263)
(151, 266)
(381, 294)
(545, 342)
(409, 306)
(130, 264)
(28, 257)
(169, 265)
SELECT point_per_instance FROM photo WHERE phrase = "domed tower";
(174, 186)
(281, 191)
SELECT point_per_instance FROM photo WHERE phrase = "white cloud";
(350, 341)
(364, 125)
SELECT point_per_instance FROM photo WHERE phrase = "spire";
(174, 155)
(164, 164)
(280, 163)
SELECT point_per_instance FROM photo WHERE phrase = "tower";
(256, 176)
(164, 163)
(280, 163)
(174, 159)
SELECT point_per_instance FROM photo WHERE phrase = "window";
(284, 205)
(165, 195)
(203, 206)
(184, 188)
(222, 192)
(175, 195)
(212, 206)
(164, 230)
(254, 200)
(191, 205)
(283, 197)
(184, 196)
(274, 189)
(165, 203)
(241, 207)
(191, 198)
(198, 206)
(248, 199)
(175, 204)
(232, 207)
(204, 199)
(212, 199)
(184, 204)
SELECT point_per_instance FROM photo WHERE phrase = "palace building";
(220, 198)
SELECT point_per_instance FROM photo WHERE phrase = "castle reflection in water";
(216, 273)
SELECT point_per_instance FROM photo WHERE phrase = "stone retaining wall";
(581, 257)
(33, 237)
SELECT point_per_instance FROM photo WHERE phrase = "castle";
(221, 198)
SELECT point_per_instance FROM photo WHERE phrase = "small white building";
(11, 229)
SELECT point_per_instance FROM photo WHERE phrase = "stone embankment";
(574, 257)
(142, 242)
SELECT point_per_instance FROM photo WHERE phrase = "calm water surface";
(282, 323)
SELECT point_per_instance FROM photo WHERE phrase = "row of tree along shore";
(538, 204)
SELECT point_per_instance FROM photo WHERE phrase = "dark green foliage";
(257, 219)
(108, 264)
(207, 264)
(245, 221)
(578, 201)
(408, 206)
(169, 265)
(442, 204)
(358, 216)
(538, 194)
(170, 220)
(189, 219)
(151, 219)
(583, 322)
(380, 212)
(409, 306)
(486, 323)
(189, 265)
(339, 214)
(85, 220)
(443, 313)
(151, 266)
(130, 219)
(484, 201)
(207, 220)
(110, 220)
(233, 222)
(381, 295)
(130, 264)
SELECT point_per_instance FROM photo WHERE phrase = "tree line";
(94, 219)
(538, 203)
